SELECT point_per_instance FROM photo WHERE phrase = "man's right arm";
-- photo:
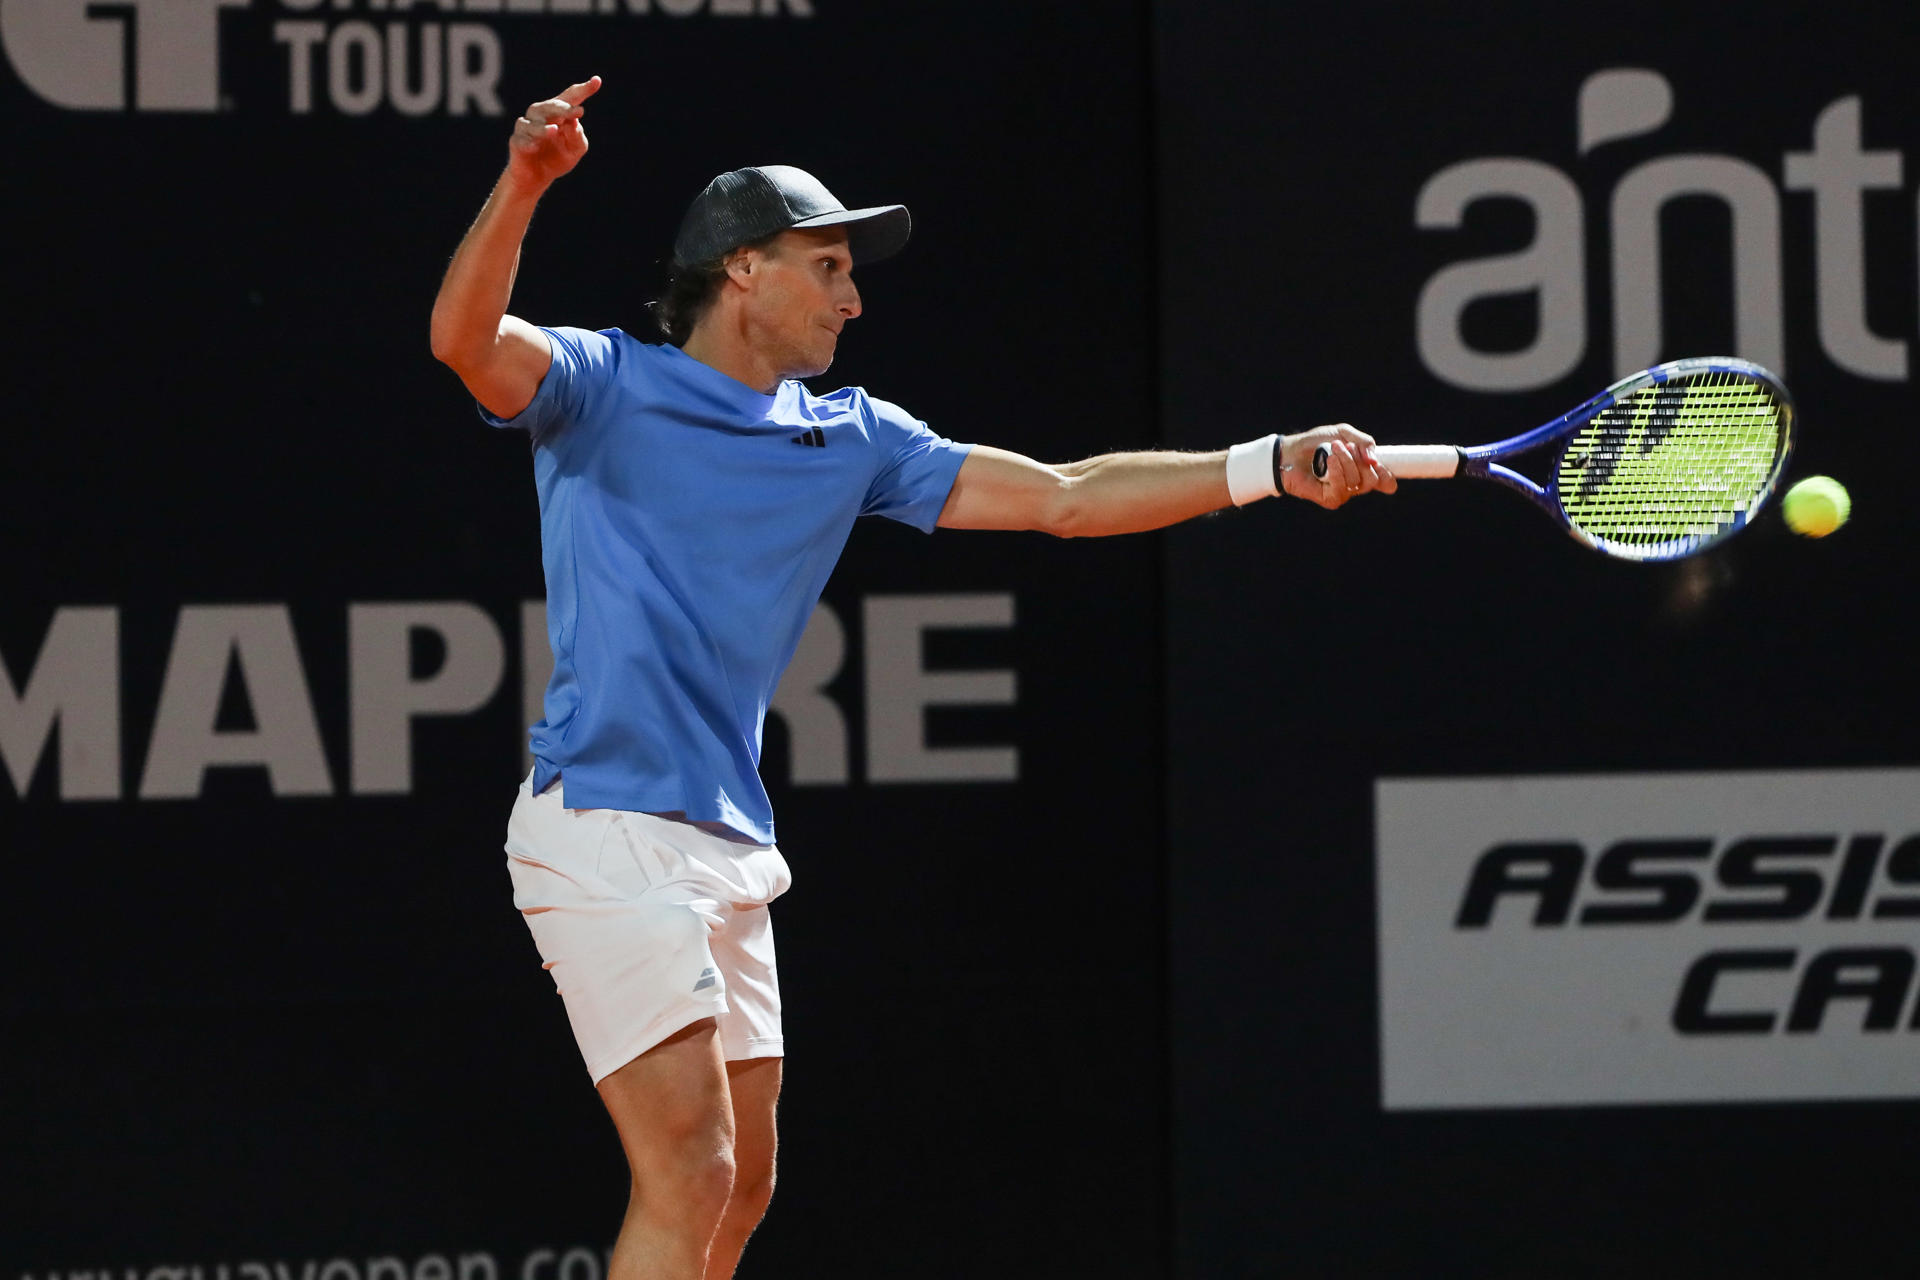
(500, 357)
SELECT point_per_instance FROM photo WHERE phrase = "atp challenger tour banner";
(334, 57)
(1706, 937)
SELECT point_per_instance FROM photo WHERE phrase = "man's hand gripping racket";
(1660, 465)
(1344, 463)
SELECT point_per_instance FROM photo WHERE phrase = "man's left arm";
(1133, 492)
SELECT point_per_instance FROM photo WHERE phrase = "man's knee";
(708, 1184)
(752, 1192)
(694, 1179)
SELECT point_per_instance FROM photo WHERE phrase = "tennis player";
(693, 498)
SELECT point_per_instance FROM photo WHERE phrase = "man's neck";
(717, 348)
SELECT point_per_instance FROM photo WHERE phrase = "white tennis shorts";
(647, 925)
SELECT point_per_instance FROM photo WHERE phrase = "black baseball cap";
(744, 205)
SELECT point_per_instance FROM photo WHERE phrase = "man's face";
(801, 296)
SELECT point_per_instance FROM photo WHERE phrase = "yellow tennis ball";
(1816, 506)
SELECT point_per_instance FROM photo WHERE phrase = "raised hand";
(549, 140)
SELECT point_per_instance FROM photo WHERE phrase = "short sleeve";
(584, 363)
(917, 468)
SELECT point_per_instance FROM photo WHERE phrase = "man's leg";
(755, 1087)
(672, 1109)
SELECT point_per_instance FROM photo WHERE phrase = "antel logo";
(160, 55)
(1836, 176)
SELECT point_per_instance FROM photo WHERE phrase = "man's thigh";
(672, 1104)
(754, 1086)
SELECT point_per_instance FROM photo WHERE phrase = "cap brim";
(872, 234)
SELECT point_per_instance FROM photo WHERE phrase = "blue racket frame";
(1484, 461)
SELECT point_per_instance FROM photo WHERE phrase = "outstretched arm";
(500, 357)
(1132, 492)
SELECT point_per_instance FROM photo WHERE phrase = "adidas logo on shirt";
(813, 437)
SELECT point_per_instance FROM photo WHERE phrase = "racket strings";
(1673, 465)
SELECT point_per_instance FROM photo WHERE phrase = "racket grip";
(1405, 461)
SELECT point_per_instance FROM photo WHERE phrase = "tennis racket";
(1658, 466)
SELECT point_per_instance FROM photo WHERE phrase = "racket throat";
(1484, 468)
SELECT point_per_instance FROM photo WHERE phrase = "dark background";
(1448, 633)
(1117, 1018)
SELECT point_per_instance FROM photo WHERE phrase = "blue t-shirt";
(687, 525)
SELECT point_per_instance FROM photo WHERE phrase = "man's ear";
(740, 266)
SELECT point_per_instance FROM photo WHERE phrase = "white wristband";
(1250, 470)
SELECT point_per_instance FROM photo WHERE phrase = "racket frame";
(1485, 462)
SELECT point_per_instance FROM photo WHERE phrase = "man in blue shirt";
(693, 500)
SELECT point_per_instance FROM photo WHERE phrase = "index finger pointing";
(574, 95)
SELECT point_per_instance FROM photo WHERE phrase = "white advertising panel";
(1627, 939)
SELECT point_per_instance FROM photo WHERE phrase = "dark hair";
(691, 290)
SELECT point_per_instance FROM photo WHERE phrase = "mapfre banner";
(1708, 937)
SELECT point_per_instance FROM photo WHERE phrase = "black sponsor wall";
(1455, 632)
(281, 1018)
(290, 1015)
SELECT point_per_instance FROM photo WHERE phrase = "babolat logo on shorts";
(1649, 938)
